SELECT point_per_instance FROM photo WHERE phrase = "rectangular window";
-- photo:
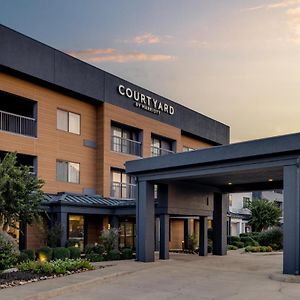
(188, 149)
(76, 230)
(160, 146)
(68, 121)
(68, 171)
(246, 202)
(122, 185)
(125, 140)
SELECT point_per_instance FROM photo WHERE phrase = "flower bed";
(32, 271)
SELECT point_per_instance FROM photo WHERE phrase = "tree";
(20, 193)
(264, 214)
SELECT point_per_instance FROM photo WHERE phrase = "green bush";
(272, 236)
(23, 257)
(210, 233)
(55, 267)
(8, 251)
(30, 253)
(113, 255)
(232, 239)
(61, 253)
(74, 252)
(209, 246)
(238, 244)
(126, 253)
(249, 241)
(258, 249)
(45, 253)
(244, 234)
(231, 247)
(275, 247)
(98, 249)
(94, 257)
(54, 235)
(109, 239)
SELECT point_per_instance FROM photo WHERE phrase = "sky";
(235, 61)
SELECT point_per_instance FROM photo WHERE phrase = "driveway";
(235, 276)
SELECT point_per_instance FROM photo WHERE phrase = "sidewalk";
(59, 286)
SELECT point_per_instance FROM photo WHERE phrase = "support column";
(62, 219)
(145, 222)
(291, 224)
(187, 232)
(202, 236)
(220, 224)
(164, 237)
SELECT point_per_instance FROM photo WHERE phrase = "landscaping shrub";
(94, 257)
(231, 247)
(45, 253)
(126, 253)
(8, 251)
(210, 233)
(258, 249)
(249, 241)
(244, 234)
(238, 244)
(61, 253)
(192, 242)
(55, 267)
(98, 249)
(232, 239)
(275, 247)
(54, 235)
(113, 255)
(272, 236)
(109, 239)
(23, 257)
(74, 252)
(30, 253)
(209, 246)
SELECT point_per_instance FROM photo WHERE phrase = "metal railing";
(17, 124)
(123, 190)
(156, 151)
(119, 144)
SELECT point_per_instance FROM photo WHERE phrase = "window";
(188, 149)
(161, 146)
(230, 200)
(122, 185)
(246, 202)
(125, 140)
(67, 171)
(68, 121)
(76, 230)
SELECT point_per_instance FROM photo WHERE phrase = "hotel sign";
(146, 102)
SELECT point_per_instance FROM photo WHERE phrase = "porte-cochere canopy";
(265, 164)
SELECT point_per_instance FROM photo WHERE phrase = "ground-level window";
(76, 230)
(122, 185)
(127, 234)
(67, 171)
(68, 121)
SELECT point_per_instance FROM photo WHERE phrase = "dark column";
(164, 237)
(220, 224)
(22, 236)
(291, 224)
(62, 219)
(114, 222)
(145, 222)
(186, 232)
(202, 236)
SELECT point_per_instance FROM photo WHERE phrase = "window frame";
(67, 172)
(68, 120)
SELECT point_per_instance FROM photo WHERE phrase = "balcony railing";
(119, 144)
(156, 151)
(17, 124)
(123, 190)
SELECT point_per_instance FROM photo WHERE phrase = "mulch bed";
(15, 278)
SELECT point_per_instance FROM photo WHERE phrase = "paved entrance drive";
(236, 276)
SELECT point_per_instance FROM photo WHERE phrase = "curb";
(73, 287)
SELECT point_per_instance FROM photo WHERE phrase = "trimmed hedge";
(249, 241)
(231, 247)
(113, 255)
(272, 236)
(232, 239)
(27, 254)
(258, 249)
(45, 253)
(94, 257)
(74, 252)
(126, 253)
(61, 253)
(238, 244)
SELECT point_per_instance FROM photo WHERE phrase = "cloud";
(294, 22)
(199, 44)
(113, 55)
(147, 38)
(280, 4)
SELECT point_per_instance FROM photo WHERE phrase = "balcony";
(127, 146)
(123, 190)
(156, 151)
(17, 124)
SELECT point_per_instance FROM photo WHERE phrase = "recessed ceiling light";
(229, 183)
(270, 179)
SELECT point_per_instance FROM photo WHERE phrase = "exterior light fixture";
(270, 179)
(229, 183)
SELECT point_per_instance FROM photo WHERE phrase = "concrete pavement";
(235, 276)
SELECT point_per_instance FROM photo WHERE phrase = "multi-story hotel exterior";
(77, 125)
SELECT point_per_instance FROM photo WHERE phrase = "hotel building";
(77, 125)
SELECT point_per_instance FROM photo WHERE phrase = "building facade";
(77, 125)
